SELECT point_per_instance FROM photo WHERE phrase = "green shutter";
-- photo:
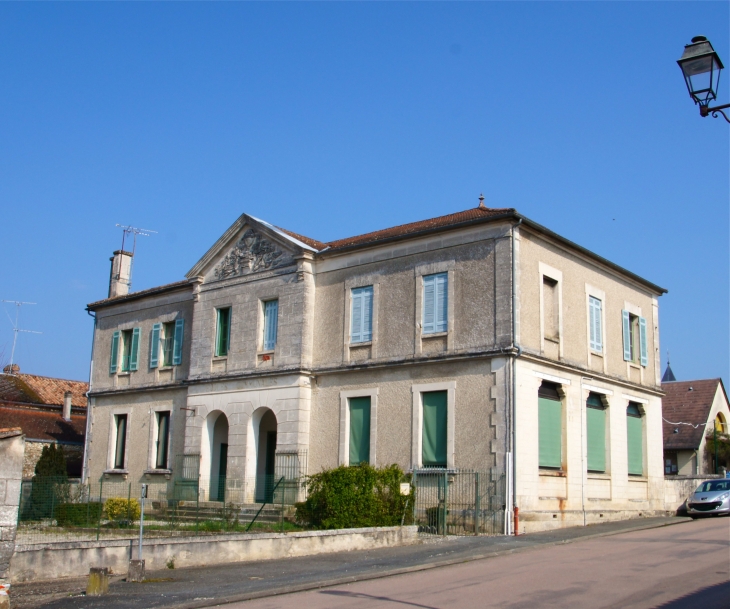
(435, 419)
(178, 342)
(223, 332)
(635, 441)
(155, 345)
(642, 342)
(114, 359)
(359, 430)
(134, 354)
(627, 335)
(550, 437)
(596, 437)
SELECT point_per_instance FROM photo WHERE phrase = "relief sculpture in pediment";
(251, 253)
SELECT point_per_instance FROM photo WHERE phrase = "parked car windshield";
(713, 485)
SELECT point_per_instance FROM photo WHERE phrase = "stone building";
(476, 340)
(692, 411)
(49, 411)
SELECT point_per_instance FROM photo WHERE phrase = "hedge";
(358, 496)
(78, 514)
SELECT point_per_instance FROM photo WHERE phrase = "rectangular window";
(130, 349)
(595, 309)
(435, 420)
(635, 340)
(163, 438)
(596, 433)
(168, 343)
(435, 303)
(361, 319)
(223, 331)
(551, 308)
(120, 421)
(635, 439)
(359, 430)
(550, 426)
(271, 318)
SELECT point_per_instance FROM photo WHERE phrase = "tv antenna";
(133, 230)
(16, 329)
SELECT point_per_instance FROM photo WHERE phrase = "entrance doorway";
(214, 455)
(266, 457)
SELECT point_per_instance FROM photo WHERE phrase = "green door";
(435, 420)
(359, 430)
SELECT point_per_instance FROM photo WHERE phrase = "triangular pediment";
(249, 246)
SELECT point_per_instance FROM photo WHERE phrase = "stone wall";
(74, 456)
(12, 444)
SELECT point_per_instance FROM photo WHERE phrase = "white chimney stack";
(121, 273)
(67, 406)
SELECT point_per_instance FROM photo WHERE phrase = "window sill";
(125, 373)
(596, 353)
(553, 339)
(116, 472)
(434, 335)
(158, 472)
(267, 352)
(366, 343)
(553, 473)
(162, 368)
(220, 358)
(638, 478)
(598, 476)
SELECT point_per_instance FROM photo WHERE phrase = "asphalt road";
(685, 566)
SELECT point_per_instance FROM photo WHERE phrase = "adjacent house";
(49, 411)
(476, 340)
(692, 411)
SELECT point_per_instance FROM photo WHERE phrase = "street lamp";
(701, 67)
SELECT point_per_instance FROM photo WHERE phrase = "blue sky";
(334, 119)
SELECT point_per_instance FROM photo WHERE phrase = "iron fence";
(458, 502)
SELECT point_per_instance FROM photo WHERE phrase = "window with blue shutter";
(178, 342)
(596, 323)
(271, 314)
(359, 430)
(626, 323)
(435, 303)
(550, 426)
(642, 342)
(596, 433)
(361, 320)
(115, 352)
(155, 345)
(635, 439)
(134, 351)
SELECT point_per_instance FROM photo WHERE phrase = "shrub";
(359, 496)
(78, 514)
(49, 485)
(120, 510)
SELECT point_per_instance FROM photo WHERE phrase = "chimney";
(121, 273)
(67, 406)
(14, 369)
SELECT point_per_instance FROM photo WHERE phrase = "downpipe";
(513, 414)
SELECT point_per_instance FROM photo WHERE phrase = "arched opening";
(265, 442)
(720, 423)
(214, 454)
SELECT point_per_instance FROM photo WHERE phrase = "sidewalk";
(206, 586)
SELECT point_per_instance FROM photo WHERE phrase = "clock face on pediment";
(251, 253)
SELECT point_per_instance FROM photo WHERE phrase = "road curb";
(248, 596)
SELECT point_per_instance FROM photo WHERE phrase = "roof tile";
(684, 405)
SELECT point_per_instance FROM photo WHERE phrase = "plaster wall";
(578, 276)
(549, 498)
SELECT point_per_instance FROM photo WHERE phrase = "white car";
(710, 498)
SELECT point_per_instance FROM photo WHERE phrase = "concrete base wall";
(678, 488)
(534, 522)
(52, 561)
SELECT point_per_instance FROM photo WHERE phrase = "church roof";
(668, 375)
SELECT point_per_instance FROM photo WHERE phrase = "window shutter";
(435, 419)
(367, 314)
(134, 354)
(356, 320)
(429, 301)
(595, 324)
(155, 345)
(634, 437)
(178, 342)
(442, 304)
(596, 437)
(271, 312)
(627, 335)
(550, 435)
(642, 341)
(359, 430)
(114, 359)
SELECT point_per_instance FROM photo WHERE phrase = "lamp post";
(701, 67)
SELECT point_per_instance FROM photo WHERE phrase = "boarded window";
(359, 430)
(435, 419)
(550, 424)
(635, 439)
(551, 308)
(596, 433)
